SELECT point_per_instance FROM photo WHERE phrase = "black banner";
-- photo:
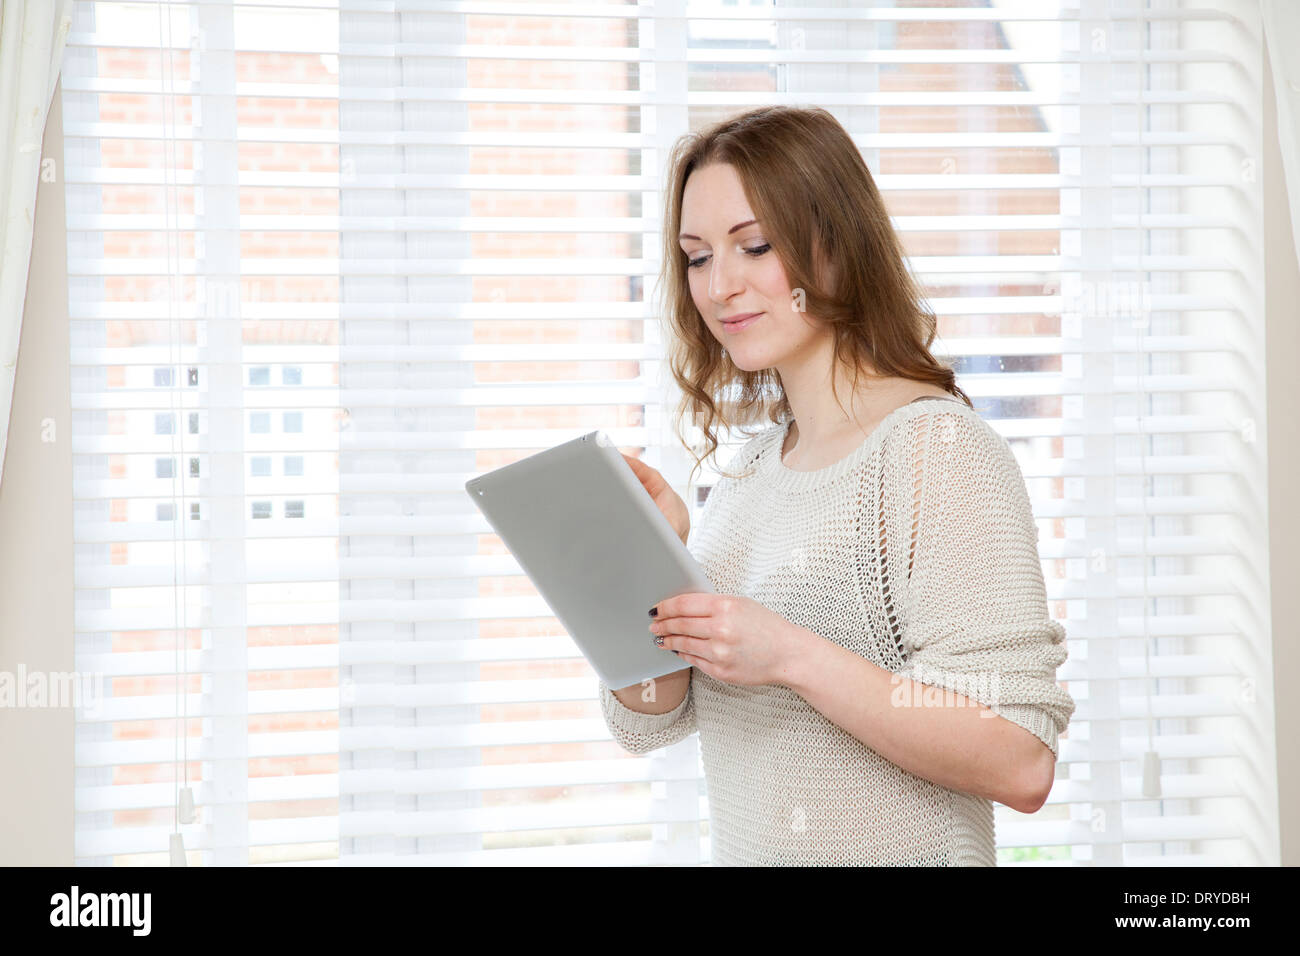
(327, 904)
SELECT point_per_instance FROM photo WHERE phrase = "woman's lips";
(742, 323)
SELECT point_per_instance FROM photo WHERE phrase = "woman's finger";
(705, 667)
(694, 626)
(687, 646)
(699, 629)
(692, 604)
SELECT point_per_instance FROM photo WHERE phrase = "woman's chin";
(747, 360)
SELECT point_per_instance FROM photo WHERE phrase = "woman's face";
(734, 272)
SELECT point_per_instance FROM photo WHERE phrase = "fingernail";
(659, 640)
(654, 612)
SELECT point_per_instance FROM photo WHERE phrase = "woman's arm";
(652, 723)
(975, 706)
(668, 692)
(961, 745)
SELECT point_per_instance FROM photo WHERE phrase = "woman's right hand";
(669, 501)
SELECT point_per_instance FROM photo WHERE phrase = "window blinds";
(202, 241)
(373, 249)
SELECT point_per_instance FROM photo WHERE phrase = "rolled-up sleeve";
(972, 611)
(639, 733)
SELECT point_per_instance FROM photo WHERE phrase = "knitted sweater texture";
(917, 551)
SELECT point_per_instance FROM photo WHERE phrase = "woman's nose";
(724, 279)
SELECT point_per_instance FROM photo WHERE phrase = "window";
(460, 277)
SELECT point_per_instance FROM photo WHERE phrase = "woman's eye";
(756, 251)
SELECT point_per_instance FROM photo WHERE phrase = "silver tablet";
(597, 548)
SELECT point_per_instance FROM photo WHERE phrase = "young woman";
(878, 664)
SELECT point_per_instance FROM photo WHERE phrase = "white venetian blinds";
(202, 179)
(404, 243)
(497, 202)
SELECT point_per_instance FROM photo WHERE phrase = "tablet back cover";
(597, 549)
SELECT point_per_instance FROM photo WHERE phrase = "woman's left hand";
(731, 638)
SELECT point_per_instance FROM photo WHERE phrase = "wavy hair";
(807, 183)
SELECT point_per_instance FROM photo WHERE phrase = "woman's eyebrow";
(739, 225)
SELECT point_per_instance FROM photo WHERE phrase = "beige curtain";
(32, 36)
(1282, 33)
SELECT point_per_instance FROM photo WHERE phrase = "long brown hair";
(807, 183)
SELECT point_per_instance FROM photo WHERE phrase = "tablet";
(596, 547)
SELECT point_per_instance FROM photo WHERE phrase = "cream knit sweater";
(957, 603)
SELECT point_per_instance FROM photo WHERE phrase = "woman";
(878, 664)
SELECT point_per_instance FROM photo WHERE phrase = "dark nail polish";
(654, 612)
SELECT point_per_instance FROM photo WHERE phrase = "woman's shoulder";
(952, 434)
(949, 419)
